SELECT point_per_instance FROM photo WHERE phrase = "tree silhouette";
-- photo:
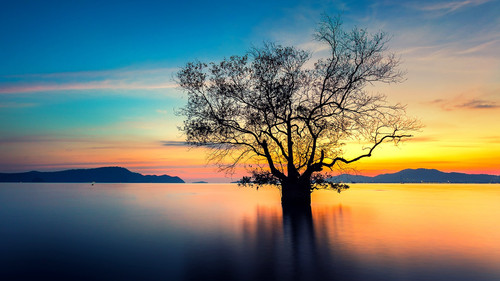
(291, 118)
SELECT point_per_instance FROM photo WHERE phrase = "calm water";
(223, 232)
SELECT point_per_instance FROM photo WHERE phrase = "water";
(223, 232)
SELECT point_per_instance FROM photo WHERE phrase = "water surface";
(224, 232)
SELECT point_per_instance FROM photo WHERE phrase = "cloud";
(479, 48)
(436, 101)
(464, 103)
(424, 139)
(474, 47)
(122, 72)
(108, 84)
(447, 6)
(478, 104)
(48, 139)
(185, 144)
(120, 79)
(492, 139)
(16, 105)
(174, 143)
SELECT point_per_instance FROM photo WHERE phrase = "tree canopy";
(275, 107)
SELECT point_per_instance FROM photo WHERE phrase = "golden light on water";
(373, 222)
(412, 221)
(371, 231)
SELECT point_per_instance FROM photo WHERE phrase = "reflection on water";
(223, 232)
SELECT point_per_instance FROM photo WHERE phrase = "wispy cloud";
(185, 144)
(478, 104)
(47, 139)
(483, 47)
(125, 79)
(16, 105)
(122, 72)
(424, 139)
(479, 47)
(446, 7)
(464, 103)
(492, 139)
(109, 85)
(174, 143)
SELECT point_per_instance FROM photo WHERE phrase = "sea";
(80, 231)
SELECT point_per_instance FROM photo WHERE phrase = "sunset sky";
(87, 84)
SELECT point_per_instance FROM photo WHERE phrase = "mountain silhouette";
(419, 176)
(103, 175)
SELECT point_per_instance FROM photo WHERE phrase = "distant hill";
(419, 176)
(103, 175)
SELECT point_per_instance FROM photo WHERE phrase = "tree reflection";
(314, 256)
(277, 246)
(298, 230)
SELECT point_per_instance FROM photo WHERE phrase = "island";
(418, 176)
(98, 175)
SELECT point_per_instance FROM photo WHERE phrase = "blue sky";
(68, 36)
(62, 36)
(81, 75)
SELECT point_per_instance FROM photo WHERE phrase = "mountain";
(104, 174)
(419, 176)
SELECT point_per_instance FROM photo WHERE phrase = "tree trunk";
(296, 194)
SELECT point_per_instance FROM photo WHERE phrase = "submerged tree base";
(298, 217)
(294, 196)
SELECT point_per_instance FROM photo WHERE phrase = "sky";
(87, 84)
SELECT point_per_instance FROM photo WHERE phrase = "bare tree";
(269, 107)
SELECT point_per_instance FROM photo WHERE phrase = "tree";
(271, 107)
